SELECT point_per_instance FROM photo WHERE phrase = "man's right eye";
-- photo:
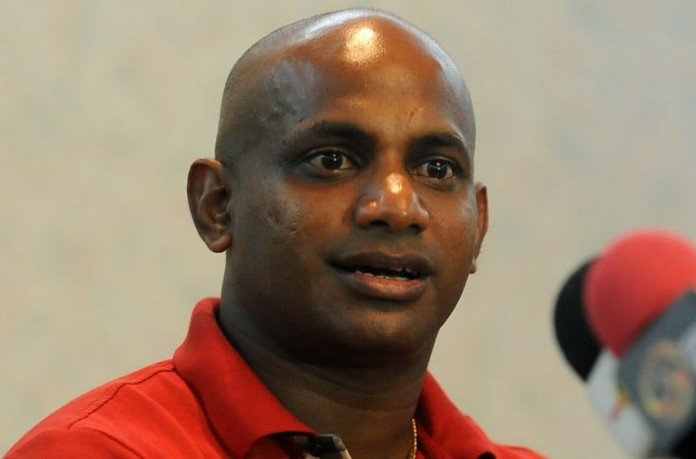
(330, 161)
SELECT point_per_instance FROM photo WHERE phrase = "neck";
(348, 400)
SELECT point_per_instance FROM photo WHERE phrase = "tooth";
(401, 274)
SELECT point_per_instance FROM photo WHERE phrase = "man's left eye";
(438, 169)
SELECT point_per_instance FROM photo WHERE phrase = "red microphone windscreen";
(637, 278)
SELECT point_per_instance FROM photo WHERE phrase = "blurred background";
(585, 112)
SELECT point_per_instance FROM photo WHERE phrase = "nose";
(390, 201)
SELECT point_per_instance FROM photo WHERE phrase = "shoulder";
(57, 442)
(108, 417)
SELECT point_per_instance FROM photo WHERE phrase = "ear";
(481, 223)
(209, 200)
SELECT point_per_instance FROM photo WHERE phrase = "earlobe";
(481, 222)
(209, 198)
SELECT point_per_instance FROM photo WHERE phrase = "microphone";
(636, 279)
(598, 368)
(640, 301)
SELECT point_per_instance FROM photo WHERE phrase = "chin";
(381, 343)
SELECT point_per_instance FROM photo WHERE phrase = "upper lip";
(413, 264)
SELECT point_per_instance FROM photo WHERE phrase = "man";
(343, 194)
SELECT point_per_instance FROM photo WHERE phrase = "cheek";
(458, 226)
(290, 225)
(282, 218)
(457, 235)
(262, 222)
(267, 250)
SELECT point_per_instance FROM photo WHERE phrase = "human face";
(356, 217)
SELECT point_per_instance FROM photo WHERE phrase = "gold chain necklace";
(414, 444)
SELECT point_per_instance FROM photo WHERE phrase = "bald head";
(287, 73)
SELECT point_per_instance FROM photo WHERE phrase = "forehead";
(353, 68)
(368, 60)
(371, 49)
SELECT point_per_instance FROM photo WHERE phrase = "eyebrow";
(353, 131)
(445, 139)
(331, 129)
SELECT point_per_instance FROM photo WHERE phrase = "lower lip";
(384, 287)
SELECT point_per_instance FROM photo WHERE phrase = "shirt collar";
(444, 431)
(239, 407)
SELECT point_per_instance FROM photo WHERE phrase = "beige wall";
(585, 112)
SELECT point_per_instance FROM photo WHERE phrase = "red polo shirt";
(207, 403)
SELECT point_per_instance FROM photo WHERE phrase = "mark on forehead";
(289, 87)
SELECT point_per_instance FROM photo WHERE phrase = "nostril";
(378, 224)
(396, 207)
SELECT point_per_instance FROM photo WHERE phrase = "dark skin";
(344, 198)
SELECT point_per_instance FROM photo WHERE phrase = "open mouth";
(375, 274)
(403, 268)
(402, 274)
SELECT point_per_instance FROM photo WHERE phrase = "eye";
(330, 162)
(438, 169)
